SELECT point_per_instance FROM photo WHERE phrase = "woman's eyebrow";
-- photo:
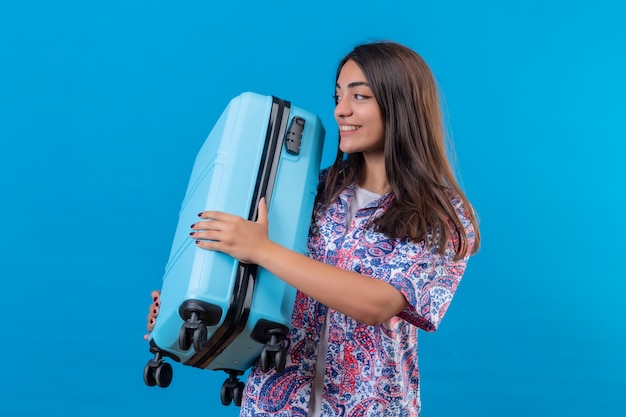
(354, 84)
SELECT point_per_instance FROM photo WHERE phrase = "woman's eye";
(357, 97)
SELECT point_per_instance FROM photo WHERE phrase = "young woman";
(390, 238)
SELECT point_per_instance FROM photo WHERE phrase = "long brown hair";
(416, 163)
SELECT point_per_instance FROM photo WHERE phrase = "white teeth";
(347, 128)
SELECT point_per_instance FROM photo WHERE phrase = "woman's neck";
(374, 177)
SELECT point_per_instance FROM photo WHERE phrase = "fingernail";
(157, 304)
(151, 321)
(155, 298)
(199, 214)
(197, 242)
(155, 311)
(192, 233)
(192, 225)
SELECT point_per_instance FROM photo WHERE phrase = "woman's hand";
(240, 238)
(153, 312)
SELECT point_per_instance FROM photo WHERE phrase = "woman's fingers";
(153, 311)
(231, 234)
(224, 222)
(152, 315)
(217, 230)
(216, 215)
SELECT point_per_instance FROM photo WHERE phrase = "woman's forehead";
(351, 75)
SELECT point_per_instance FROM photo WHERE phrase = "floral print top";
(370, 370)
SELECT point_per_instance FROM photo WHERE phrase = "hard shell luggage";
(217, 313)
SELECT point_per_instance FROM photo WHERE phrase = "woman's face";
(361, 126)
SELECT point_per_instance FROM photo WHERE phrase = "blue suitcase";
(217, 313)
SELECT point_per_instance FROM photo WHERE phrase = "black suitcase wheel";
(273, 357)
(200, 336)
(238, 393)
(232, 389)
(227, 393)
(157, 372)
(148, 375)
(265, 360)
(273, 354)
(163, 375)
(193, 332)
(280, 360)
(184, 338)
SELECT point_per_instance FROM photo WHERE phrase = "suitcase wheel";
(273, 354)
(157, 372)
(193, 332)
(232, 390)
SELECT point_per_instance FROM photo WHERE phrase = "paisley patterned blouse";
(370, 370)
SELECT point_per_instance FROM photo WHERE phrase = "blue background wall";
(103, 106)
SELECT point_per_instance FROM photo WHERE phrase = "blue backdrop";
(103, 106)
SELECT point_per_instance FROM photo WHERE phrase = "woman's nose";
(343, 108)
